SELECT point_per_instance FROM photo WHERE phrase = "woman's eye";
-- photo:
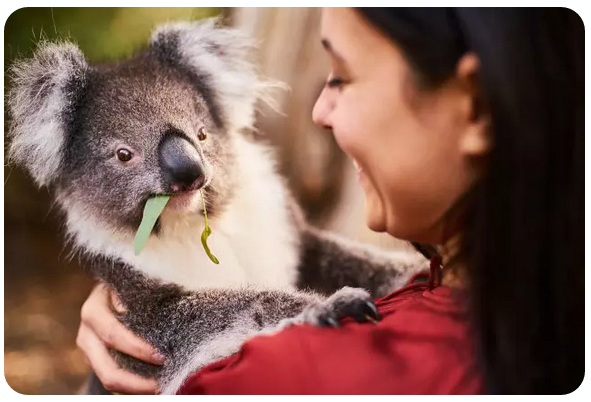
(124, 155)
(335, 82)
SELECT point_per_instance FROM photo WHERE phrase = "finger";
(98, 317)
(113, 378)
(117, 304)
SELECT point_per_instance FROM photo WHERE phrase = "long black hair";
(523, 233)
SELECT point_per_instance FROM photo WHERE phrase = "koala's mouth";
(188, 202)
(193, 186)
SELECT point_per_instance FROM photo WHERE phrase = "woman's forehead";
(351, 40)
(338, 23)
(345, 28)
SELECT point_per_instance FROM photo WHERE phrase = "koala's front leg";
(203, 327)
(193, 329)
(329, 262)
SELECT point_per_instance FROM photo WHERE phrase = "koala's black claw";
(328, 321)
(365, 312)
(372, 311)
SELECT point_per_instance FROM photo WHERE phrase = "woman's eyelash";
(335, 82)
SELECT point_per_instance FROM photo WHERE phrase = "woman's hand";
(99, 330)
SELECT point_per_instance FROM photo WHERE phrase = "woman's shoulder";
(421, 345)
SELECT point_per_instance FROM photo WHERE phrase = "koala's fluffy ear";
(221, 56)
(41, 102)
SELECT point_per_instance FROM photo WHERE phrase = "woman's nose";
(322, 108)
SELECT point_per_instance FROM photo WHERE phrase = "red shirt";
(421, 346)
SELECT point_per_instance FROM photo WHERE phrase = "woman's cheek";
(344, 138)
(348, 135)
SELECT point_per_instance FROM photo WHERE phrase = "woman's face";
(409, 145)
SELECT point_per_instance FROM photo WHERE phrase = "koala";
(172, 119)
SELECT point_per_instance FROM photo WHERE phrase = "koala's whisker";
(8, 175)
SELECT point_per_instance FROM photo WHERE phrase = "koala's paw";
(347, 302)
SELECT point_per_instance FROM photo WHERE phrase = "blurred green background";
(103, 34)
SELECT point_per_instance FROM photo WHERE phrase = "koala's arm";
(194, 328)
(329, 262)
(162, 312)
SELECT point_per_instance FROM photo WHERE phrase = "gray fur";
(73, 117)
(329, 262)
(41, 108)
(222, 55)
(192, 329)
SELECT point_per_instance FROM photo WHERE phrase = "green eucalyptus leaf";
(152, 210)
(205, 234)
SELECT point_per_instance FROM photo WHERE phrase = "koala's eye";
(124, 155)
(202, 134)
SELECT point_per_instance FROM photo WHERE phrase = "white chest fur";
(254, 240)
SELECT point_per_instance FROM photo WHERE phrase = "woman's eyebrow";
(328, 47)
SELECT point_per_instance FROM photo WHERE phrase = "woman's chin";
(374, 218)
(376, 226)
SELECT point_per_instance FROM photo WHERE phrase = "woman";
(467, 128)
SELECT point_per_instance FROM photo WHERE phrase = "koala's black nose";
(181, 164)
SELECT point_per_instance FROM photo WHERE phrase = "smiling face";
(413, 148)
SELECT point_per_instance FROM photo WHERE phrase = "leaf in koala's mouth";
(154, 207)
(206, 233)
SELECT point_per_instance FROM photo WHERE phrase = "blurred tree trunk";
(291, 53)
(319, 174)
